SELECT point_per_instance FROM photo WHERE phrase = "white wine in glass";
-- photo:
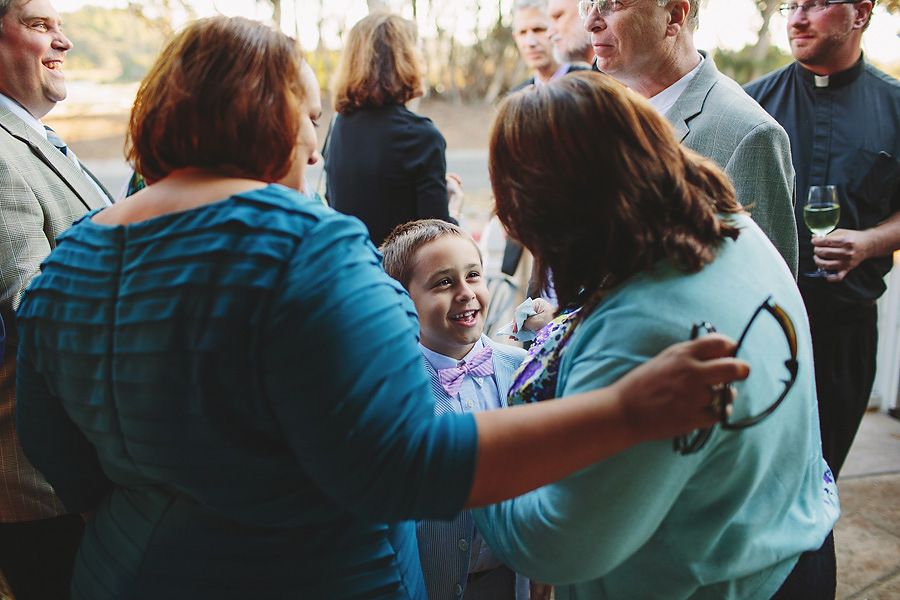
(821, 214)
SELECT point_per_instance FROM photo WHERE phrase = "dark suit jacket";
(387, 166)
(572, 67)
(41, 194)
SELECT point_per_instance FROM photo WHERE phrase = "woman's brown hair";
(224, 93)
(589, 177)
(381, 64)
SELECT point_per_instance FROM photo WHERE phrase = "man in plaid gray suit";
(43, 189)
(650, 48)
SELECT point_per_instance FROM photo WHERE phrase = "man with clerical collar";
(843, 118)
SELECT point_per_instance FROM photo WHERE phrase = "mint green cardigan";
(726, 523)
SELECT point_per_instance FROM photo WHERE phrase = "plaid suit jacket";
(716, 118)
(42, 192)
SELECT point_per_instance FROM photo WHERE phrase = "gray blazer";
(444, 546)
(42, 192)
(716, 118)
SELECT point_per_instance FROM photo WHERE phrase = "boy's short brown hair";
(400, 247)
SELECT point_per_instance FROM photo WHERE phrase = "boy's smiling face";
(450, 294)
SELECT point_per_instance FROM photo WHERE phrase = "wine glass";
(821, 214)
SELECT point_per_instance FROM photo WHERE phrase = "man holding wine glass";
(843, 118)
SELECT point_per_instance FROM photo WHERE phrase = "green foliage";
(115, 41)
(743, 66)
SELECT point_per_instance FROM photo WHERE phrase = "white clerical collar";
(17, 109)
(666, 99)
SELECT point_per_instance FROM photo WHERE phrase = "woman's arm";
(347, 384)
(53, 443)
(525, 447)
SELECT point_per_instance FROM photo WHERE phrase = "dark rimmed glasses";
(688, 444)
(789, 8)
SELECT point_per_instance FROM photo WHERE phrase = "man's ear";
(678, 16)
(863, 15)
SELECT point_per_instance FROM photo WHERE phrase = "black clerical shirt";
(845, 131)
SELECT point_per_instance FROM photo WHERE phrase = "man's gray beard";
(571, 55)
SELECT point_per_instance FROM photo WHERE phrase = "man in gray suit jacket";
(649, 46)
(42, 191)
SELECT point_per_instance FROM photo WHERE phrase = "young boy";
(440, 266)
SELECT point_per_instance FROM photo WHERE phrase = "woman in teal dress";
(645, 238)
(219, 375)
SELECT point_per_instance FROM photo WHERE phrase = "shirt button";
(470, 404)
(479, 380)
(463, 545)
(457, 590)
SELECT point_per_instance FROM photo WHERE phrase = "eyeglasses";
(604, 7)
(688, 444)
(789, 8)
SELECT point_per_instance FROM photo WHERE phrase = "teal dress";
(238, 391)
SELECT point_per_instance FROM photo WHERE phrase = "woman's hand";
(454, 195)
(539, 591)
(544, 314)
(667, 396)
(673, 393)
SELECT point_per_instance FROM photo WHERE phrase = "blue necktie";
(57, 141)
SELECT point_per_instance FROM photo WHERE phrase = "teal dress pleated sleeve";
(237, 390)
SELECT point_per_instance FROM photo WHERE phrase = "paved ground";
(867, 536)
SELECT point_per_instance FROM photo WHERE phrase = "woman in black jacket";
(386, 164)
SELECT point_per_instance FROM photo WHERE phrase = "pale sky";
(727, 24)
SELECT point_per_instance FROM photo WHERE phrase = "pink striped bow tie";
(451, 379)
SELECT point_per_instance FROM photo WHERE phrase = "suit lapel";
(502, 371)
(443, 401)
(690, 103)
(96, 181)
(64, 168)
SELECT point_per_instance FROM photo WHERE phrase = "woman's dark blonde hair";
(589, 177)
(225, 93)
(400, 247)
(381, 64)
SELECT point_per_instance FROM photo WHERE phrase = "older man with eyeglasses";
(649, 46)
(843, 118)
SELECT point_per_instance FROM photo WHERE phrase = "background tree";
(118, 45)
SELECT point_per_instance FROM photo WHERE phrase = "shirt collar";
(835, 80)
(440, 361)
(17, 109)
(666, 99)
(562, 70)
